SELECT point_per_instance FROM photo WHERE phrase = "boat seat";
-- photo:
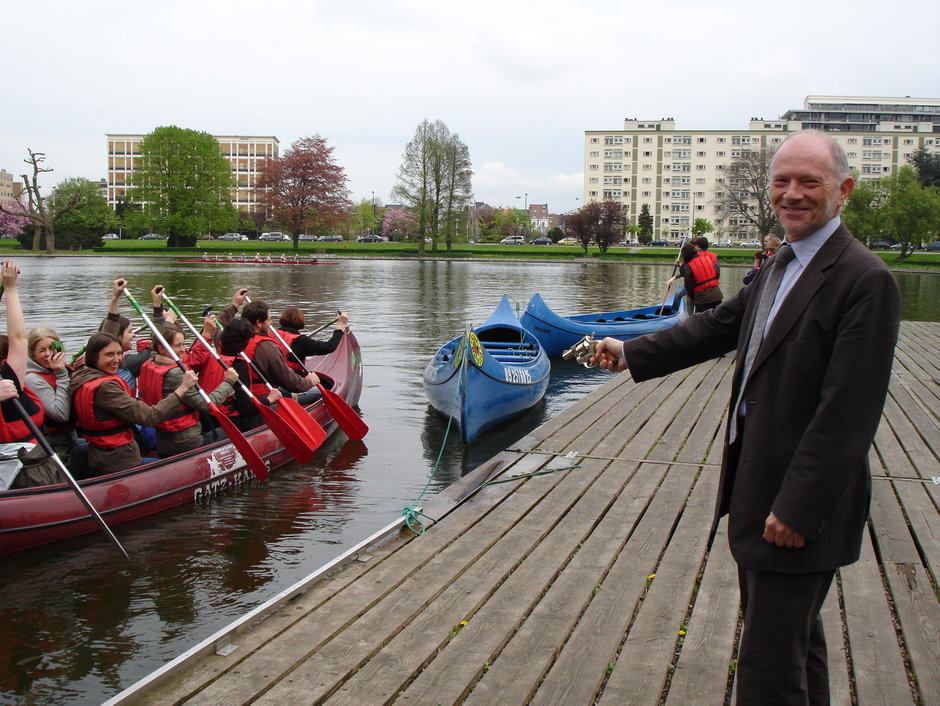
(503, 344)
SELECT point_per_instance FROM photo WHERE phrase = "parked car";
(568, 241)
(274, 236)
(331, 239)
(659, 243)
(880, 245)
(151, 236)
(751, 244)
(724, 244)
(370, 238)
(110, 236)
(512, 240)
(935, 245)
(306, 238)
(541, 241)
(205, 237)
(233, 236)
(629, 242)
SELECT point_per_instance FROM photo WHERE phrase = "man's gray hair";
(838, 160)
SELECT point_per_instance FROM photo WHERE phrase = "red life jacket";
(150, 390)
(291, 359)
(213, 374)
(107, 434)
(50, 426)
(257, 384)
(704, 271)
(13, 430)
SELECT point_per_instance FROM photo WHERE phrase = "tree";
(744, 196)
(609, 222)
(911, 211)
(434, 181)
(645, 221)
(38, 213)
(556, 233)
(88, 217)
(862, 212)
(305, 189)
(399, 225)
(701, 226)
(13, 219)
(927, 166)
(184, 185)
(578, 225)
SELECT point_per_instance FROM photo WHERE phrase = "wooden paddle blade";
(297, 416)
(252, 459)
(350, 422)
(297, 444)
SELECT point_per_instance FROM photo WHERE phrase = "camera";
(57, 346)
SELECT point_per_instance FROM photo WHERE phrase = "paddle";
(73, 484)
(350, 422)
(252, 459)
(665, 297)
(300, 446)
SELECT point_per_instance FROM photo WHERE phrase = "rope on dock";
(411, 514)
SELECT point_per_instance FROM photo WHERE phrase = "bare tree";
(434, 180)
(39, 214)
(745, 196)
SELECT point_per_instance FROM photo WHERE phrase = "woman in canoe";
(106, 410)
(159, 378)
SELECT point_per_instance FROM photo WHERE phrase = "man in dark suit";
(794, 481)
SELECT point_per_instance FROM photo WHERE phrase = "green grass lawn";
(742, 256)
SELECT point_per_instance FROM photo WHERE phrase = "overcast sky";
(519, 82)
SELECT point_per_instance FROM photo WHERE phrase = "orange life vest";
(15, 429)
(107, 434)
(150, 390)
(257, 384)
(704, 271)
(291, 359)
(50, 426)
(213, 374)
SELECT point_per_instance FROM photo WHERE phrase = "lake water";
(78, 623)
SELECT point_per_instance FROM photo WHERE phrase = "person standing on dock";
(815, 335)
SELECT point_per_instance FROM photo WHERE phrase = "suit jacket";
(813, 403)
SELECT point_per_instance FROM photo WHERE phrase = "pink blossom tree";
(399, 224)
(11, 223)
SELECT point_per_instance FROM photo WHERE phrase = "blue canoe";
(558, 333)
(488, 374)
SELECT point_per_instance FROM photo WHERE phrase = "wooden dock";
(584, 572)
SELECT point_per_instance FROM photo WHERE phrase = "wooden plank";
(710, 645)
(877, 664)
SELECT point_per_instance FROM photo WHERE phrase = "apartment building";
(6, 185)
(246, 155)
(678, 173)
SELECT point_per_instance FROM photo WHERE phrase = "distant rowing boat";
(254, 261)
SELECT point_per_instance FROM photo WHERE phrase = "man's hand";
(608, 354)
(778, 533)
(239, 297)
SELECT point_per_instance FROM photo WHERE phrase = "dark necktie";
(778, 265)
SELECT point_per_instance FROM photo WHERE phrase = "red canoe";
(253, 261)
(46, 514)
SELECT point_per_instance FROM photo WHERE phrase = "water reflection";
(78, 624)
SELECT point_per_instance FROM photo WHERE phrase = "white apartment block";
(246, 155)
(679, 172)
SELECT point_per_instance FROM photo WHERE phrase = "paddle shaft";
(73, 484)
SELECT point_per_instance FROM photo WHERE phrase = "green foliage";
(701, 226)
(927, 165)
(87, 217)
(184, 184)
(862, 212)
(911, 211)
(645, 221)
(556, 233)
